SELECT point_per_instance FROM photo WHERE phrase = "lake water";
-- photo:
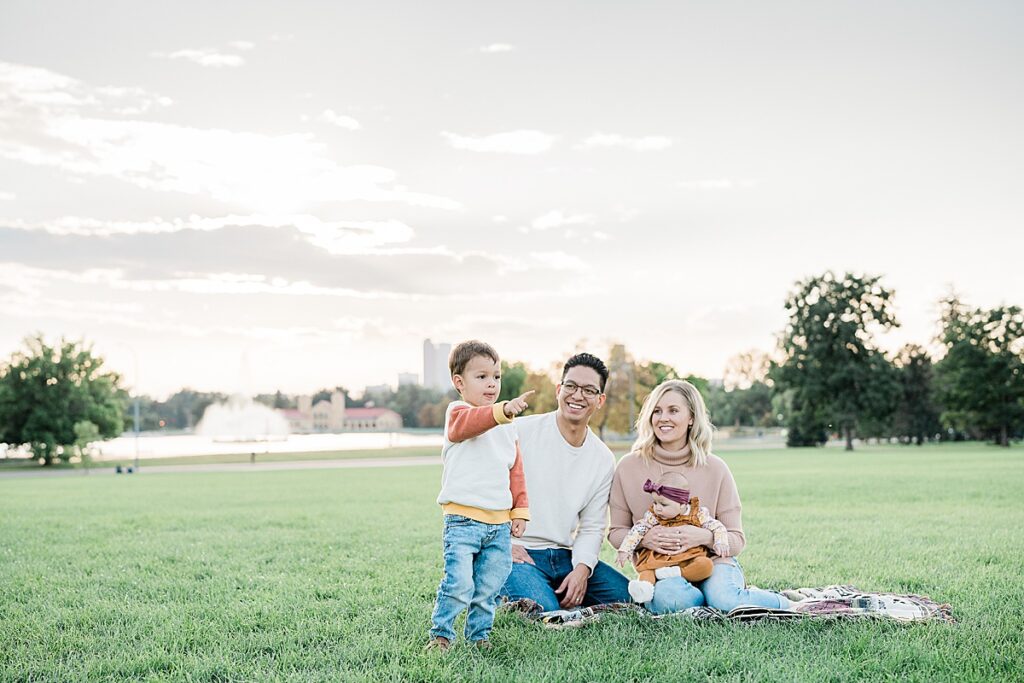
(159, 446)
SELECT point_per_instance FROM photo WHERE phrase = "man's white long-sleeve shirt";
(568, 487)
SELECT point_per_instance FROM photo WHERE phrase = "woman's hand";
(672, 540)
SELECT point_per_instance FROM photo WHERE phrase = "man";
(569, 477)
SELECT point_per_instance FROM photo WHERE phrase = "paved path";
(236, 467)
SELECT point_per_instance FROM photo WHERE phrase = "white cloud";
(547, 260)
(650, 143)
(339, 120)
(27, 90)
(52, 120)
(499, 219)
(242, 44)
(557, 219)
(512, 142)
(206, 56)
(7, 196)
(334, 237)
(559, 260)
(715, 184)
(282, 37)
(586, 237)
(625, 213)
(497, 47)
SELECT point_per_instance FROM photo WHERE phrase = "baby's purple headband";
(678, 495)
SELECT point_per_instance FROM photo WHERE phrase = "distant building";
(435, 365)
(376, 391)
(298, 421)
(372, 420)
(408, 378)
(325, 416)
(332, 416)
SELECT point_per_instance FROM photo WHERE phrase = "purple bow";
(672, 493)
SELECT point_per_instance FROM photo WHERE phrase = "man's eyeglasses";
(590, 391)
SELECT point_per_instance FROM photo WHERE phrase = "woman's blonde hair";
(699, 435)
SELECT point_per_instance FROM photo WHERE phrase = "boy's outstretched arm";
(466, 422)
(518, 404)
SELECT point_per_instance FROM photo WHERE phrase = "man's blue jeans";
(538, 581)
(477, 560)
(725, 589)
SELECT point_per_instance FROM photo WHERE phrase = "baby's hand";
(620, 558)
(517, 405)
(518, 527)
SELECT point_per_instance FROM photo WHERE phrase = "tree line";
(827, 377)
(830, 376)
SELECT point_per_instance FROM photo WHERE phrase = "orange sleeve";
(517, 484)
(466, 422)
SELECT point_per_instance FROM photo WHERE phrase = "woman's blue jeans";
(725, 590)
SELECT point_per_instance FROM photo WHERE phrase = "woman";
(674, 435)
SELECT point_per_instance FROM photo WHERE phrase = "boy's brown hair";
(464, 352)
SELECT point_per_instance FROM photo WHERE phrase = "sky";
(242, 196)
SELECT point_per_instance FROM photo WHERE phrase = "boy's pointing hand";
(517, 404)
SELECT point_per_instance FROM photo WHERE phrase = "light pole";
(135, 410)
(136, 415)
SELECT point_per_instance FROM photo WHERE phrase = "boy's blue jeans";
(477, 560)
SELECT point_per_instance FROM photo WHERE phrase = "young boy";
(483, 495)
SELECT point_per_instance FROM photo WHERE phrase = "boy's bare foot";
(482, 644)
(439, 643)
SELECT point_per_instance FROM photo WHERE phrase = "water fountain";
(240, 419)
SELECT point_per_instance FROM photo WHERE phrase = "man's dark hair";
(589, 361)
(466, 351)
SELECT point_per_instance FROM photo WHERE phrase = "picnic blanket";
(830, 602)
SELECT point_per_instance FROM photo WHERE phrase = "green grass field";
(330, 575)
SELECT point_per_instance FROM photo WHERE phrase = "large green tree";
(46, 390)
(749, 407)
(981, 378)
(917, 416)
(839, 379)
(513, 380)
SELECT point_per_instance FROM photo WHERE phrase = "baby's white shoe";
(640, 591)
(668, 572)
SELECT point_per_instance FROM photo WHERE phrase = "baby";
(672, 506)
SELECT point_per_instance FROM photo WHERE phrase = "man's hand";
(574, 587)
(519, 555)
(518, 527)
(517, 405)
